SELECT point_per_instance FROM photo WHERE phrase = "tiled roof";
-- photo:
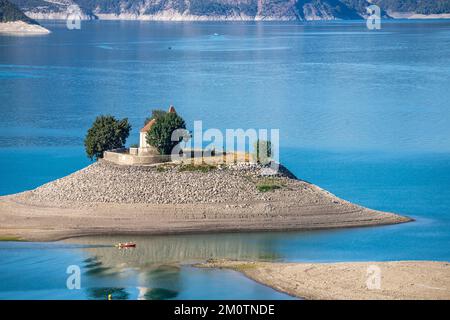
(152, 122)
(148, 125)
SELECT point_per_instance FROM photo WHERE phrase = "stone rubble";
(103, 182)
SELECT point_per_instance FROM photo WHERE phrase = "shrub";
(105, 134)
(160, 134)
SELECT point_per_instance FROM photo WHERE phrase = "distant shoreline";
(400, 280)
(239, 18)
(109, 199)
(419, 16)
(22, 28)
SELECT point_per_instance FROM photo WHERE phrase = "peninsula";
(106, 198)
(14, 21)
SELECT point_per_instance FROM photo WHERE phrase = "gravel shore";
(104, 182)
(104, 198)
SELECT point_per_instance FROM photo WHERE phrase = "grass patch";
(10, 238)
(164, 167)
(267, 185)
(199, 167)
(161, 168)
(244, 267)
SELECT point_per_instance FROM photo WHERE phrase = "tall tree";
(105, 134)
(160, 134)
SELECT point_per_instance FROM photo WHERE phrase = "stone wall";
(123, 157)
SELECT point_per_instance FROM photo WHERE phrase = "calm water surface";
(362, 114)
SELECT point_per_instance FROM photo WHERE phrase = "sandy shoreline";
(22, 28)
(412, 15)
(400, 280)
(104, 199)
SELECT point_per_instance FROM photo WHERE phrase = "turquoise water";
(362, 114)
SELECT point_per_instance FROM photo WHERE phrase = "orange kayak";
(126, 245)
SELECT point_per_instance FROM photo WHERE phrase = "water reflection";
(153, 281)
(154, 269)
(161, 282)
(171, 250)
(101, 293)
(158, 294)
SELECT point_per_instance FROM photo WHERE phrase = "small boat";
(126, 245)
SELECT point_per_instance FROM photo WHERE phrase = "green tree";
(262, 151)
(160, 134)
(156, 114)
(105, 134)
(10, 12)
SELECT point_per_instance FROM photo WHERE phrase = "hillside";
(415, 6)
(193, 9)
(10, 13)
(14, 21)
(299, 10)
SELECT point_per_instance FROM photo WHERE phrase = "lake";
(363, 114)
